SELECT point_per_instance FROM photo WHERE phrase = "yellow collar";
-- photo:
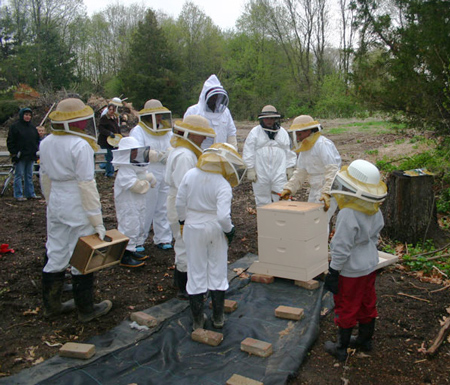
(176, 141)
(309, 142)
(152, 132)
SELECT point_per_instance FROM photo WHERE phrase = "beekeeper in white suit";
(318, 161)
(268, 157)
(73, 205)
(132, 183)
(155, 130)
(213, 105)
(188, 135)
(204, 209)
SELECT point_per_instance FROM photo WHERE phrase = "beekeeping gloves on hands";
(251, 175)
(332, 281)
(325, 198)
(290, 172)
(285, 195)
(230, 235)
(233, 141)
(97, 223)
(140, 186)
(150, 178)
(46, 185)
(330, 172)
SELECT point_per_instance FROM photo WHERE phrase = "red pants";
(356, 301)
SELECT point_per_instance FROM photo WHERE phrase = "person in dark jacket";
(108, 127)
(23, 143)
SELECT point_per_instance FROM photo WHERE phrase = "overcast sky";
(224, 13)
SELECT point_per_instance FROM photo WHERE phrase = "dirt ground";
(409, 310)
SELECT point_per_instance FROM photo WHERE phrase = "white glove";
(150, 178)
(46, 185)
(330, 172)
(251, 175)
(164, 155)
(140, 187)
(154, 156)
(233, 141)
(290, 172)
(97, 223)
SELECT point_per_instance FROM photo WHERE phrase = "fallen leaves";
(251, 211)
(31, 312)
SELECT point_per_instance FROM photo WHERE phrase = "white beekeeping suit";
(186, 141)
(204, 207)
(132, 183)
(213, 105)
(318, 161)
(268, 157)
(155, 130)
(73, 205)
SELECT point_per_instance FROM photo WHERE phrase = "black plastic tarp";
(167, 354)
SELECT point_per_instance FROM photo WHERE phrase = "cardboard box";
(292, 240)
(92, 254)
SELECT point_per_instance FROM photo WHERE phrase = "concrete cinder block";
(236, 379)
(257, 347)
(144, 319)
(262, 278)
(312, 284)
(229, 306)
(207, 337)
(288, 312)
(77, 350)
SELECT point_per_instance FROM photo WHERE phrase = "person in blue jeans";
(23, 144)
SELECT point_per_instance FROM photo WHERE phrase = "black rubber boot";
(218, 301)
(83, 294)
(364, 339)
(52, 287)
(339, 349)
(198, 317)
(180, 282)
(128, 260)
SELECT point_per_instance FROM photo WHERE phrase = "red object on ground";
(4, 248)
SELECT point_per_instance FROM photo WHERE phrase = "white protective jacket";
(270, 159)
(180, 161)
(222, 123)
(156, 198)
(354, 245)
(320, 165)
(68, 162)
(130, 204)
(204, 203)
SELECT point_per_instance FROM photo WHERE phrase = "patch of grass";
(338, 130)
(372, 152)
(399, 141)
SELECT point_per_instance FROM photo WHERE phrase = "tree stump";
(409, 209)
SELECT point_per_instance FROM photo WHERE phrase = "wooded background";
(384, 55)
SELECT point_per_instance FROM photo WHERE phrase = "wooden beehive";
(92, 254)
(292, 240)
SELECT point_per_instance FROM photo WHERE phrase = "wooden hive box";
(292, 240)
(92, 254)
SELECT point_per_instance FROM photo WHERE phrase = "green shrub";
(7, 109)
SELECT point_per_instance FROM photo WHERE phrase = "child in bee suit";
(204, 209)
(268, 157)
(188, 135)
(318, 161)
(132, 182)
(155, 130)
(73, 205)
(359, 191)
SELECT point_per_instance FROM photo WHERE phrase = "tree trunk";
(410, 208)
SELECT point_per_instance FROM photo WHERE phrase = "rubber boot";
(198, 317)
(339, 349)
(180, 282)
(364, 339)
(218, 301)
(52, 287)
(83, 293)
